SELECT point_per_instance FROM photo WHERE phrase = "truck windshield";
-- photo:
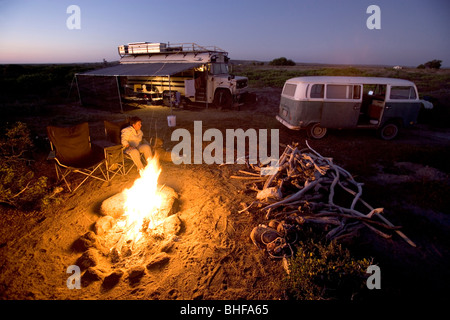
(219, 68)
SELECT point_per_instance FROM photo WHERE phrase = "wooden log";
(322, 220)
(280, 163)
(400, 233)
(317, 172)
(250, 173)
(245, 178)
(362, 219)
(333, 184)
(352, 233)
(348, 228)
(378, 232)
(295, 196)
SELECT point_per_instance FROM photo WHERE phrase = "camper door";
(341, 106)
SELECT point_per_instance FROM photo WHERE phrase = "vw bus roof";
(351, 80)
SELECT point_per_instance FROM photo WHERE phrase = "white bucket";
(172, 121)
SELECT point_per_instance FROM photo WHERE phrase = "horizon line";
(231, 60)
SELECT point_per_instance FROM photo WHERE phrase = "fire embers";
(124, 237)
(138, 228)
(110, 253)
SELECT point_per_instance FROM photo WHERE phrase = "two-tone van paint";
(320, 102)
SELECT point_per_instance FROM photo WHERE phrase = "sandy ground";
(212, 256)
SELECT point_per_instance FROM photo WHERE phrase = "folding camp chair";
(112, 133)
(114, 160)
(72, 152)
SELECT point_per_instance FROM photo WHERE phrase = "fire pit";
(137, 231)
(136, 219)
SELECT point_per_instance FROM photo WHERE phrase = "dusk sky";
(321, 31)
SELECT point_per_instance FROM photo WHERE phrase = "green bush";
(325, 271)
(39, 84)
(282, 62)
(19, 187)
(433, 64)
(276, 77)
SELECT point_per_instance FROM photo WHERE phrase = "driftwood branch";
(307, 182)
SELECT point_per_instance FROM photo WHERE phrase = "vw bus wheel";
(388, 131)
(315, 131)
(222, 99)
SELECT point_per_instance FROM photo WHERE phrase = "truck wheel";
(388, 131)
(315, 131)
(223, 99)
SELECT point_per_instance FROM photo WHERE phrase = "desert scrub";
(276, 75)
(19, 186)
(321, 271)
(39, 84)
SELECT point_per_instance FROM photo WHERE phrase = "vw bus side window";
(356, 92)
(337, 91)
(403, 93)
(289, 89)
(317, 91)
(377, 91)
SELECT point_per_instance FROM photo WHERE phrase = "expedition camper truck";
(320, 102)
(179, 74)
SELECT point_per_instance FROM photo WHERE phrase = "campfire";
(142, 203)
(138, 229)
(138, 217)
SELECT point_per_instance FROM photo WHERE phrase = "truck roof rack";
(138, 48)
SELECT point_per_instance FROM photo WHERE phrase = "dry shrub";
(19, 186)
(321, 271)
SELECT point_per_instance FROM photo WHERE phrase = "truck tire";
(388, 131)
(223, 99)
(315, 131)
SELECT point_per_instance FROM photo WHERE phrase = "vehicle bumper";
(285, 123)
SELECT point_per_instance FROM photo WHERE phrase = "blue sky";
(323, 31)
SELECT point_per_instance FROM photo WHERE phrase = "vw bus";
(320, 102)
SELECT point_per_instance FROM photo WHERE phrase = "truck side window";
(317, 91)
(403, 93)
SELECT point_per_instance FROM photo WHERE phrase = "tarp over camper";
(103, 88)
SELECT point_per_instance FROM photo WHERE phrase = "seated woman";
(134, 143)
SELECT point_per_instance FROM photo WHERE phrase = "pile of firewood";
(308, 188)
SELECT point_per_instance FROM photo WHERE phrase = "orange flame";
(143, 200)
